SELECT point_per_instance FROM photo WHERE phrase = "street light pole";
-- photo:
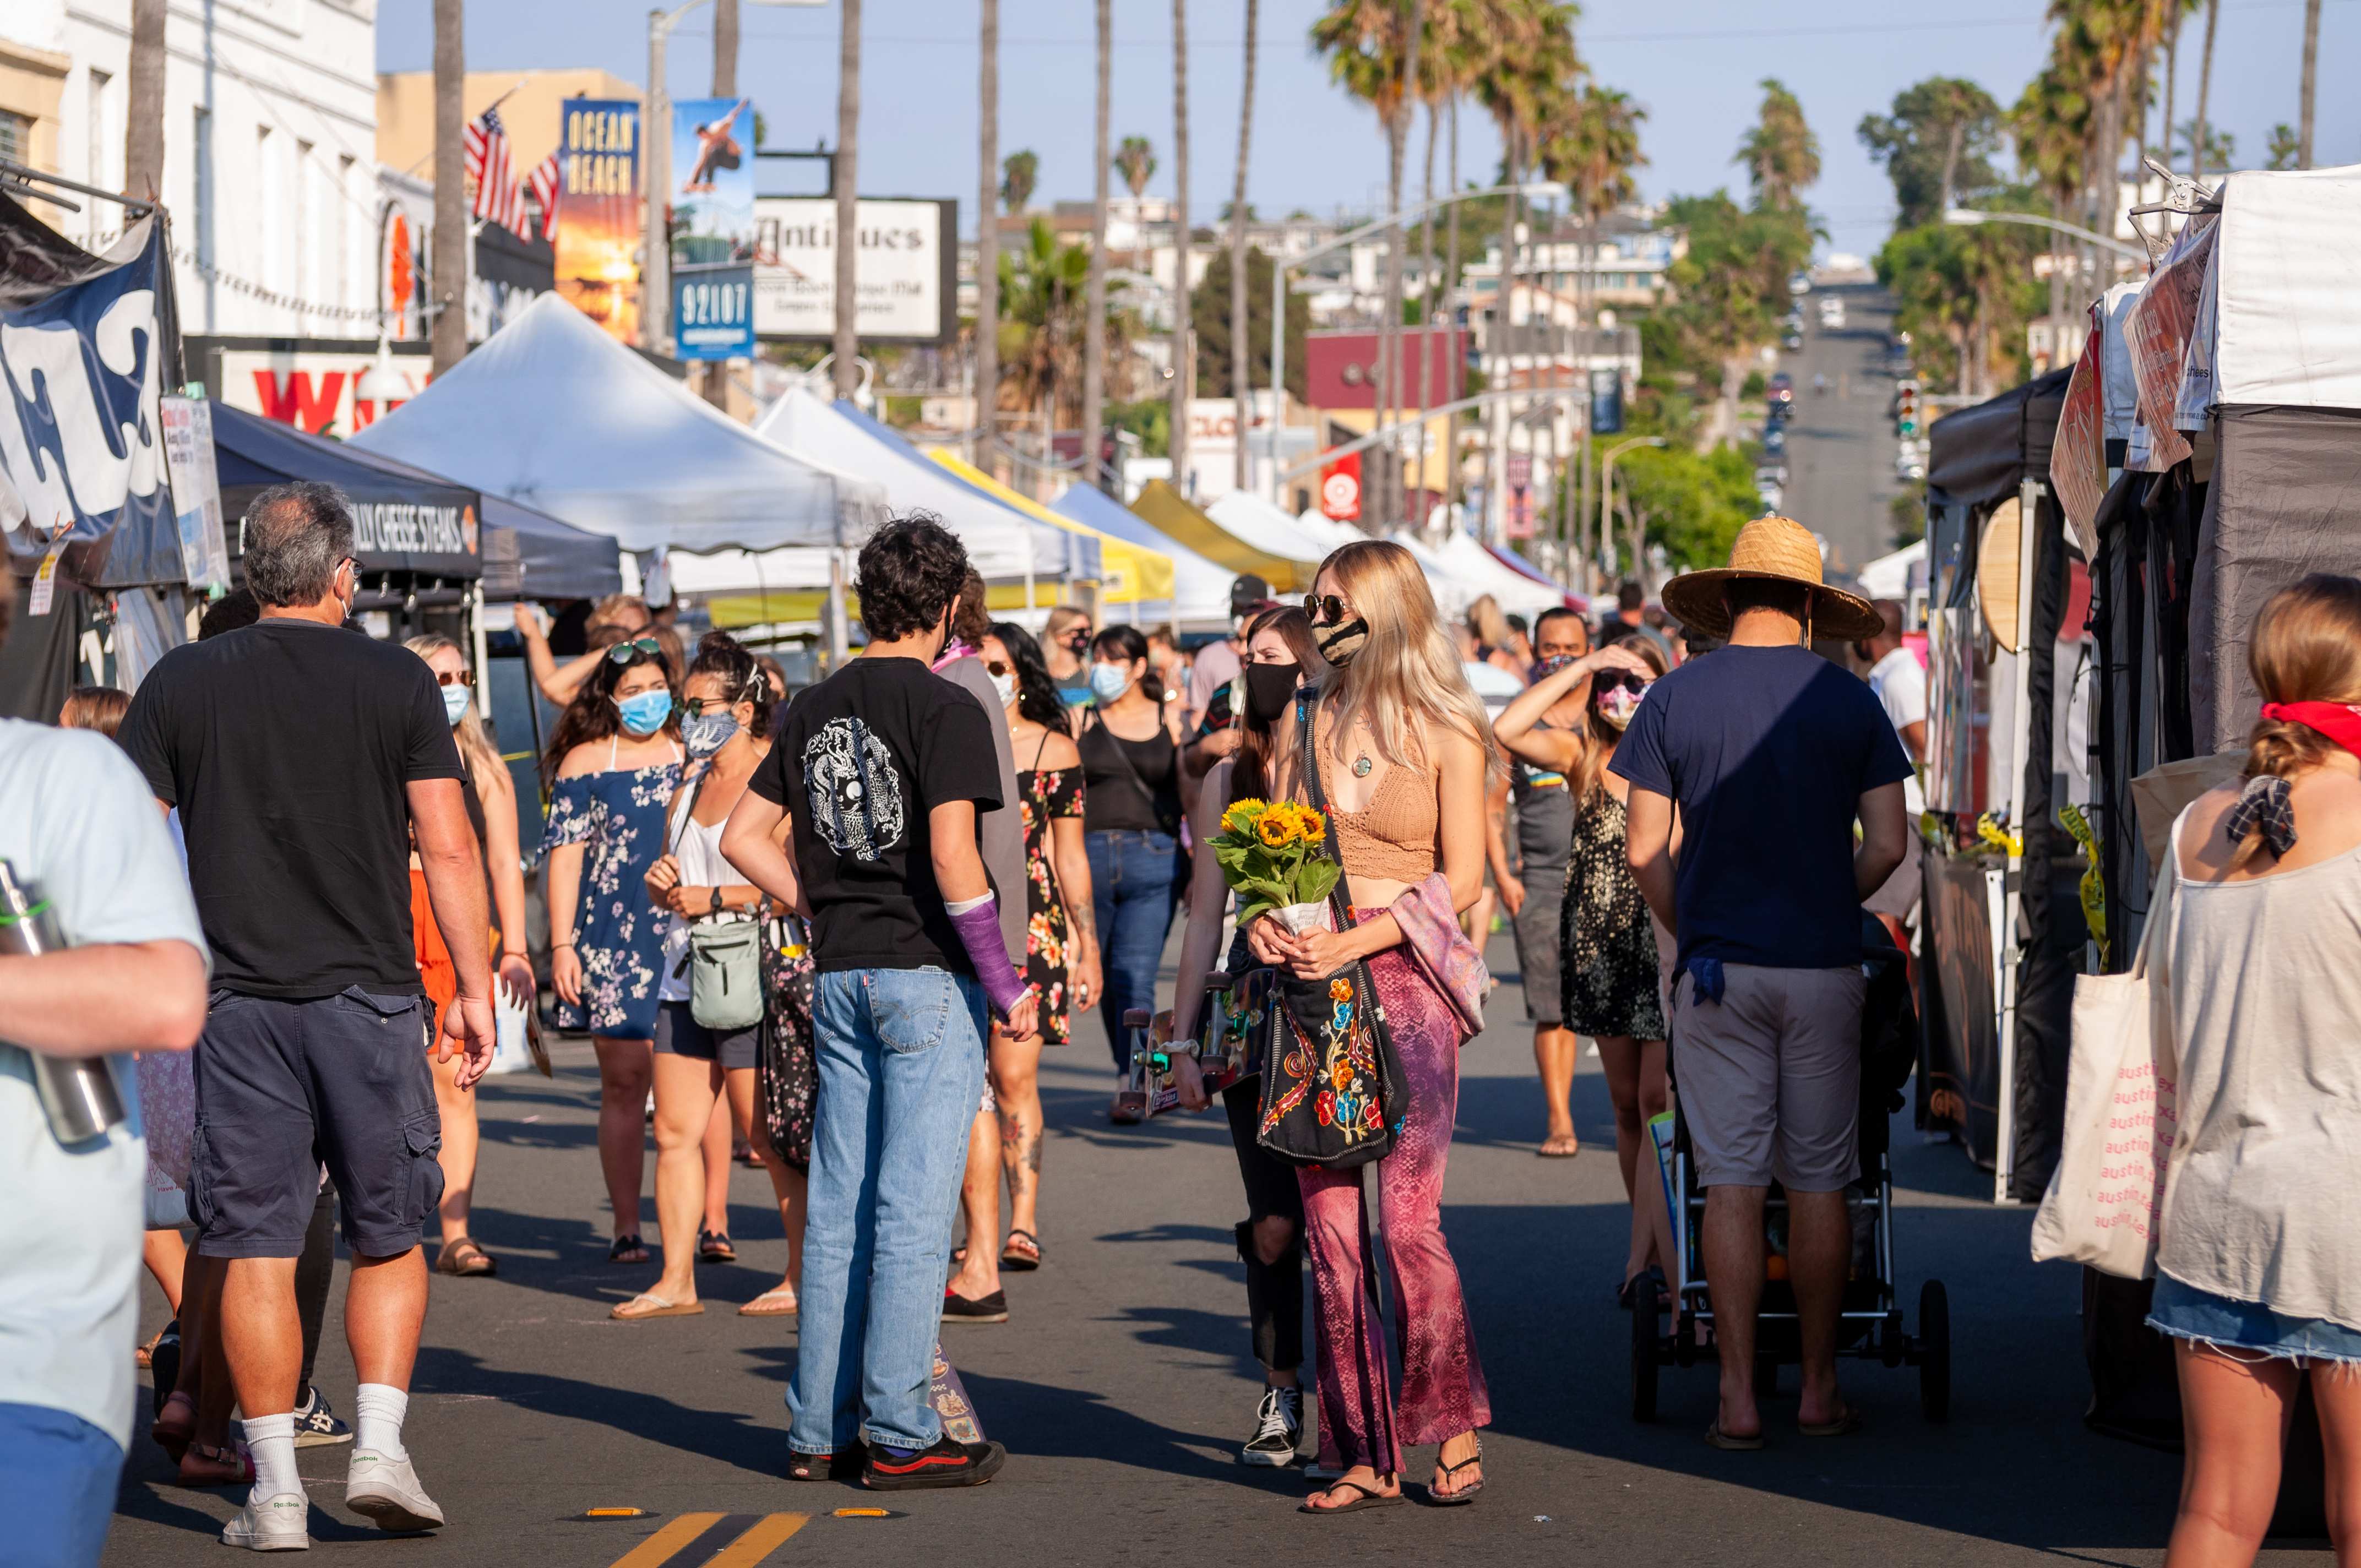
(1280, 267)
(1606, 499)
(1969, 217)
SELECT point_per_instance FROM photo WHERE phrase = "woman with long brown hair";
(2258, 1261)
(617, 758)
(1280, 657)
(490, 797)
(1404, 752)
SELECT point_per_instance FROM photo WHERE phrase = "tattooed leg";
(1016, 1083)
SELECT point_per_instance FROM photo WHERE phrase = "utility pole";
(448, 295)
(725, 85)
(1094, 306)
(846, 363)
(987, 239)
(1184, 351)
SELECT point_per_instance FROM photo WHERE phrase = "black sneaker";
(316, 1426)
(958, 1308)
(844, 1464)
(948, 1463)
(164, 1365)
(1279, 1427)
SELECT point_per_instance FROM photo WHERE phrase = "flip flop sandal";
(778, 1302)
(1466, 1494)
(1556, 1148)
(1735, 1445)
(1368, 1499)
(464, 1259)
(1848, 1420)
(658, 1308)
(145, 1356)
(1021, 1256)
(713, 1246)
(623, 1245)
(176, 1425)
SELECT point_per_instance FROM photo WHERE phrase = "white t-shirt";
(79, 827)
(1899, 682)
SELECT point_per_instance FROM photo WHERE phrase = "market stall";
(1136, 578)
(1241, 531)
(1201, 587)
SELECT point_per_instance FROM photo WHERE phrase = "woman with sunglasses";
(490, 798)
(1606, 942)
(1405, 754)
(617, 758)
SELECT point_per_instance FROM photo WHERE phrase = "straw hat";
(1771, 547)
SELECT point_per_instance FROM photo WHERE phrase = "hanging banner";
(712, 227)
(2157, 333)
(600, 208)
(1340, 489)
(81, 365)
(1605, 401)
(196, 489)
(2077, 456)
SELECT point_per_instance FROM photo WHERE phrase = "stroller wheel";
(1935, 1351)
(1644, 1358)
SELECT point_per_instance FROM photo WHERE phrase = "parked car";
(1782, 387)
(1799, 284)
(1779, 413)
(1770, 476)
(1910, 465)
(1793, 341)
(1774, 440)
(1770, 495)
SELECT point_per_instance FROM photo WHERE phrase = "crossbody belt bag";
(725, 958)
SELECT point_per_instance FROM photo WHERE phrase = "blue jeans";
(901, 1071)
(1135, 881)
(58, 1475)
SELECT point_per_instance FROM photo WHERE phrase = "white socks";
(377, 1409)
(272, 1439)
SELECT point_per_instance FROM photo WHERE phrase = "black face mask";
(1338, 643)
(1269, 687)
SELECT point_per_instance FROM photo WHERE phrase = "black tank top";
(1129, 785)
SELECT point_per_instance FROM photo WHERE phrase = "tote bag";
(2105, 1201)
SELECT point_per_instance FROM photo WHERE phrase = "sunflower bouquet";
(1275, 854)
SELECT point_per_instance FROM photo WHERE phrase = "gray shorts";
(1769, 1076)
(284, 1086)
(678, 1034)
(1538, 938)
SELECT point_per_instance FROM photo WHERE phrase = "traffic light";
(1905, 409)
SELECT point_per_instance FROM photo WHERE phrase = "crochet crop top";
(1393, 839)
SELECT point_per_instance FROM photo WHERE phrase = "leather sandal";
(466, 1259)
(648, 1304)
(1021, 1256)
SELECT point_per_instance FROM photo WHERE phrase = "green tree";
(1134, 159)
(2221, 146)
(1209, 315)
(1781, 154)
(1019, 171)
(2285, 148)
(1936, 145)
(1691, 503)
(1044, 293)
(1964, 295)
(1729, 291)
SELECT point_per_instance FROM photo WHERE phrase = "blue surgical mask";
(1109, 682)
(455, 704)
(645, 714)
(706, 733)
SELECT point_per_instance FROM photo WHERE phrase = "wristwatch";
(717, 902)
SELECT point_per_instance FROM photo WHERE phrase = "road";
(1122, 1385)
(1841, 444)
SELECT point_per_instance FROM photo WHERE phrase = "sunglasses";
(1325, 609)
(1623, 680)
(462, 679)
(623, 653)
(995, 666)
(697, 707)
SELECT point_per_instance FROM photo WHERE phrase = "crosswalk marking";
(714, 1540)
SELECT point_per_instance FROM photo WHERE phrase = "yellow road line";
(653, 1551)
(759, 1543)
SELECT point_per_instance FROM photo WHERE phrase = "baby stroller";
(1871, 1327)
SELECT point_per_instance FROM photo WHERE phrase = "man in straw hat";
(1770, 752)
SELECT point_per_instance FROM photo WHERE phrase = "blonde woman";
(1404, 753)
(490, 798)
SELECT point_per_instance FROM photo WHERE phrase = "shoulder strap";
(1131, 771)
(1307, 711)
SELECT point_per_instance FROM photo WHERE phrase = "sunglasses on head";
(622, 652)
(1325, 609)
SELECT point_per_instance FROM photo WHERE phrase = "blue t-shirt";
(1767, 751)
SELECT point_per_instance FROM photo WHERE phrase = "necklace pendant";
(1361, 767)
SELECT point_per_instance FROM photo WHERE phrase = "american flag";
(545, 186)
(499, 197)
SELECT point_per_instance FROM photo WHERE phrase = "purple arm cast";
(979, 931)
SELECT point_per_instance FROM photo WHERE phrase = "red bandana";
(2340, 721)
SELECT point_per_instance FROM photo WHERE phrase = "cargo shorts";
(1769, 1076)
(287, 1085)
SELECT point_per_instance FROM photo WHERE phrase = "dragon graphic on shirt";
(856, 795)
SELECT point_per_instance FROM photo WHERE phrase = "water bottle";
(78, 1094)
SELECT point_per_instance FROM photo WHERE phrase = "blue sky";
(1693, 64)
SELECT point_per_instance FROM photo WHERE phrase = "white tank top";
(698, 845)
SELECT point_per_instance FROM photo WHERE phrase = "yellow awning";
(1134, 574)
(1165, 509)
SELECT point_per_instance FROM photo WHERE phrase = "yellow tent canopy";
(1171, 514)
(1134, 574)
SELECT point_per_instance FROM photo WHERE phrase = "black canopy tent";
(2004, 1095)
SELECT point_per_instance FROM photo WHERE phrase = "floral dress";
(1606, 945)
(1047, 793)
(618, 937)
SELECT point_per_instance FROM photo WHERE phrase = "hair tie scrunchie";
(2264, 801)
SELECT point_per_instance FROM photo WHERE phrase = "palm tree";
(846, 362)
(449, 293)
(2304, 90)
(1781, 154)
(1044, 329)
(1135, 162)
(1094, 312)
(2205, 87)
(987, 233)
(1185, 348)
(1241, 355)
(1020, 172)
(2049, 125)
(716, 372)
(143, 123)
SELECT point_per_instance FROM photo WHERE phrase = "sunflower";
(1243, 815)
(1314, 825)
(1275, 830)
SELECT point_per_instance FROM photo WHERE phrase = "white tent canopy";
(554, 413)
(2287, 274)
(1888, 576)
(1514, 592)
(1266, 525)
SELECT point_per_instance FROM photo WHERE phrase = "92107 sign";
(713, 313)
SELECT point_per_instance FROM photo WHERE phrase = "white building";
(269, 148)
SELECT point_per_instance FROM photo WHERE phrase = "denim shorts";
(2233, 1327)
(678, 1034)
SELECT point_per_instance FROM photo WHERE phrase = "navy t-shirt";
(1767, 751)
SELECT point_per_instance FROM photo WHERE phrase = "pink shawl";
(1441, 953)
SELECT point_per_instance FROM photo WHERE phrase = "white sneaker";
(387, 1490)
(271, 1524)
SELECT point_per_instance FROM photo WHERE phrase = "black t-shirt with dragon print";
(858, 762)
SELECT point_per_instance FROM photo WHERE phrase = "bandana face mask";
(1618, 703)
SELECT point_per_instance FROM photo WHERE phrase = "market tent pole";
(2029, 494)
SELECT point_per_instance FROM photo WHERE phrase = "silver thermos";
(78, 1093)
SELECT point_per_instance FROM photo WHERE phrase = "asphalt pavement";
(1841, 444)
(1123, 1383)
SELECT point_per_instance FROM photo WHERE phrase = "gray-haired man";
(304, 759)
